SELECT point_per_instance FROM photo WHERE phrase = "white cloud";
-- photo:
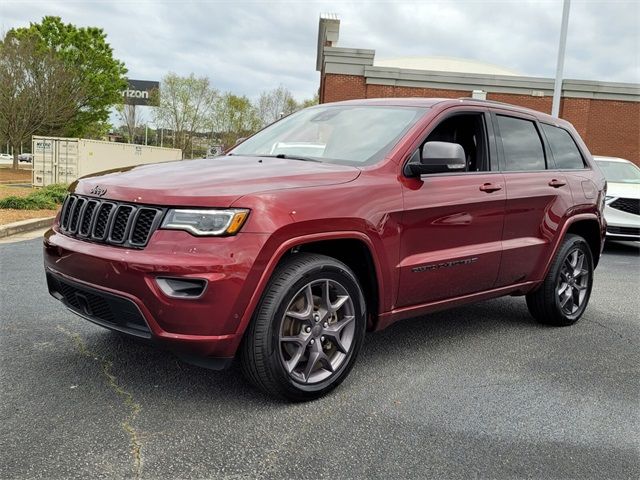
(250, 46)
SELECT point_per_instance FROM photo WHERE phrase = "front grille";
(87, 218)
(102, 219)
(144, 224)
(120, 223)
(75, 214)
(105, 221)
(66, 211)
(101, 307)
(633, 231)
(629, 205)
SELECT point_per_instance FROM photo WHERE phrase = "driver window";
(467, 130)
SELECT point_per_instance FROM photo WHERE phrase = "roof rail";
(488, 101)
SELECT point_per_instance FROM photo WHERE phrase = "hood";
(216, 182)
(624, 190)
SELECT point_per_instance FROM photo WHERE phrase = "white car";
(6, 156)
(622, 204)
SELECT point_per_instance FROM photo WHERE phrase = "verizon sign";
(141, 92)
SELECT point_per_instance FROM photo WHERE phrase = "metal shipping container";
(63, 160)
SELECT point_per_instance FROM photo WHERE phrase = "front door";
(452, 223)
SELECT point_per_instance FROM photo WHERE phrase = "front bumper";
(622, 225)
(100, 307)
(116, 288)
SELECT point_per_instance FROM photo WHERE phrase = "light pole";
(557, 87)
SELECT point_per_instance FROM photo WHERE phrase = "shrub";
(49, 198)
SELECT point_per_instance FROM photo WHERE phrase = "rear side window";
(564, 149)
(521, 144)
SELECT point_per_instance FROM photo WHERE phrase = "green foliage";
(185, 105)
(310, 102)
(235, 117)
(97, 130)
(87, 52)
(275, 104)
(49, 197)
(38, 92)
(279, 102)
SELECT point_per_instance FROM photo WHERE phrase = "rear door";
(538, 196)
(452, 222)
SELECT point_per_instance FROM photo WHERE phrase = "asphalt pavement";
(476, 392)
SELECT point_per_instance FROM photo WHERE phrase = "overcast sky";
(250, 46)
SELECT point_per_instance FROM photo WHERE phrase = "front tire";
(306, 333)
(563, 296)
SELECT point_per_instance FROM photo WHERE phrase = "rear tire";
(563, 296)
(307, 330)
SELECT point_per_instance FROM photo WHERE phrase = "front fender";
(275, 249)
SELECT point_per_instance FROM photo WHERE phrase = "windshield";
(620, 172)
(347, 134)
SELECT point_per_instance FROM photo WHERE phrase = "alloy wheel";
(573, 282)
(317, 331)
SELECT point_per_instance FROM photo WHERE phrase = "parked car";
(622, 204)
(284, 260)
(25, 157)
(6, 157)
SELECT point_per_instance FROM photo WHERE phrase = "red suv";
(338, 219)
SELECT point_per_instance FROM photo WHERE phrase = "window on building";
(564, 149)
(521, 144)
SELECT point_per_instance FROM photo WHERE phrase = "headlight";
(209, 222)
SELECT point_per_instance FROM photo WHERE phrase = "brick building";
(606, 114)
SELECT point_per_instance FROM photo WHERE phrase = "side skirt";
(388, 318)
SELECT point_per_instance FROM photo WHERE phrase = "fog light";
(182, 287)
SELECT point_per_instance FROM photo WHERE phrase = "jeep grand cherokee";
(339, 219)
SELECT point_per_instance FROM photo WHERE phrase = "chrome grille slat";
(110, 222)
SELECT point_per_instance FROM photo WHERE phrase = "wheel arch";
(357, 255)
(353, 248)
(589, 229)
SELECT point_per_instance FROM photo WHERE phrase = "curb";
(25, 226)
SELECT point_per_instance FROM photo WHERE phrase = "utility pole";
(557, 88)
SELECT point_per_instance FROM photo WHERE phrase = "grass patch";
(49, 198)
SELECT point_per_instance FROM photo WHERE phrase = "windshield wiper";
(292, 157)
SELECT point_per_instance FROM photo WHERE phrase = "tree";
(185, 106)
(234, 117)
(86, 51)
(131, 117)
(310, 102)
(37, 91)
(275, 104)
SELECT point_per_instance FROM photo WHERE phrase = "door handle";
(557, 183)
(490, 187)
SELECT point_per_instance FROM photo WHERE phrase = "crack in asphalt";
(607, 327)
(127, 398)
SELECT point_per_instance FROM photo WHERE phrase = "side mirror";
(438, 157)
